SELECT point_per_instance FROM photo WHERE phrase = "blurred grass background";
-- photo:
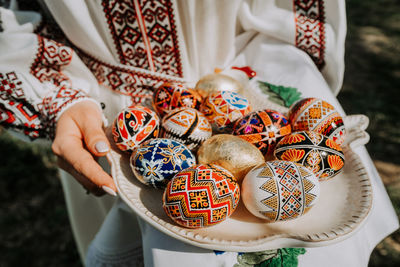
(34, 226)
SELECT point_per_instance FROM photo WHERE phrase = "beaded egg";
(186, 125)
(313, 114)
(280, 190)
(230, 152)
(321, 155)
(133, 126)
(156, 161)
(200, 196)
(170, 96)
(262, 128)
(222, 108)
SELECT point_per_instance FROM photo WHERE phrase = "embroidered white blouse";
(119, 50)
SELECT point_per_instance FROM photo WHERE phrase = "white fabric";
(211, 34)
(86, 212)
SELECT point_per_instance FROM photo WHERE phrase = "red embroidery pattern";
(50, 59)
(310, 29)
(57, 100)
(15, 111)
(144, 34)
(137, 84)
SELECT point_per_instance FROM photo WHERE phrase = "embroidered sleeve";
(51, 58)
(20, 111)
(57, 102)
(15, 110)
(36, 84)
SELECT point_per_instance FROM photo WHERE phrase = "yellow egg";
(217, 82)
(230, 152)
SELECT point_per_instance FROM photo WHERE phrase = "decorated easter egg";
(186, 125)
(280, 190)
(313, 114)
(222, 108)
(263, 128)
(156, 161)
(200, 196)
(321, 155)
(170, 96)
(133, 126)
(217, 82)
(231, 152)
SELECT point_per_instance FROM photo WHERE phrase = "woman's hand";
(79, 139)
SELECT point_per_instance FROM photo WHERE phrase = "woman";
(123, 49)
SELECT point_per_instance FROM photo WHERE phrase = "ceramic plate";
(344, 204)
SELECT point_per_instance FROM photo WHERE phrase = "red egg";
(133, 126)
(223, 108)
(313, 114)
(170, 96)
(201, 196)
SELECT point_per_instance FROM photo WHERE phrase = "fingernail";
(109, 190)
(101, 147)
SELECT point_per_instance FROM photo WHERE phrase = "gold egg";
(230, 152)
(217, 82)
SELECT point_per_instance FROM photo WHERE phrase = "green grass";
(34, 226)
(372, 77)
(371, 87)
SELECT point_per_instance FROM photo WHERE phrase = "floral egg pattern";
(170, 96)
(186, 125)
(313, 114)
(201, 196)
(263, 129)
(222, 108)
(133, 126)
(323, 156)
(156, 161)
(280, 190)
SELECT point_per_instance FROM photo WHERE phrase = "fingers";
(91, 125)
(84, 181)
(81, 164)
(81, 125)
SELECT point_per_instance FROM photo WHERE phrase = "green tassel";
(250, 259)
(284, 96)
(271, 258)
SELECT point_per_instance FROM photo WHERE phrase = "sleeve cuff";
(55, 104)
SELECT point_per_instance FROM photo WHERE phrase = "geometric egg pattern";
(133, 126)
(156, 161)
(323, 156)
(263, 128)
(280, 190)
(201, 196)
(222, 108)
(170, 96)
(186, 125)
(313, 114)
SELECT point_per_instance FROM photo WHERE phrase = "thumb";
(96, 140)
(91, 125)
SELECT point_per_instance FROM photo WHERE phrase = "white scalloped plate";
(343, 205)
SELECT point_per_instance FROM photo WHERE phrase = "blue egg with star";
(156, 161)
